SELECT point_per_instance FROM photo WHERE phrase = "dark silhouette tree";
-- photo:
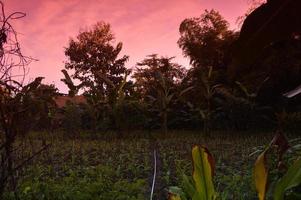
(93, 52)
(145, 75)
(269, 47)
(206, 40)
(253, 4)
(93, 55)
(157, 81)
(18, 103)
(45, 106)
(73, 89)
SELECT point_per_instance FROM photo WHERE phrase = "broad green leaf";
(261, 171)
(188, 186)
(203, 170)
(175, 193)
(291, 179)
(261, 175)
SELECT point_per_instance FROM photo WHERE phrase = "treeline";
(215, 92)
(236, 81)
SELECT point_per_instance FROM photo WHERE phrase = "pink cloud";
(144, 26)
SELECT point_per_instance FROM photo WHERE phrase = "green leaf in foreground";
(261, 175)
(291, 179)
(203, 170)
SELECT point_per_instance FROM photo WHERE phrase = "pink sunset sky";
(144, 26)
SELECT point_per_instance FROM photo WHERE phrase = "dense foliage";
(236, 81)
(165, 95)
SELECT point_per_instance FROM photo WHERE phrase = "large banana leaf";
(280, 143)
(292, 178)
(203, 170)
(188, 186)
(261, 175)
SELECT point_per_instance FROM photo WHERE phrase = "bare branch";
(13, 63)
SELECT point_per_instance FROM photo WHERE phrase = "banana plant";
(73, 89)
(290, 179)
(201, 186)
(209, 88)
(16, 117)
(164, 98)
(116, 99)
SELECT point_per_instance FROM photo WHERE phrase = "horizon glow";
(144, 27)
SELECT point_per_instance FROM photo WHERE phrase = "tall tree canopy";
(157, 81)
(146, 74)
(206, 39)
(93, 52)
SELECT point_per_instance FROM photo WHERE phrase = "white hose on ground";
(154, 177)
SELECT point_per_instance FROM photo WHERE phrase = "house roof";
(293, 92)
(61, 101)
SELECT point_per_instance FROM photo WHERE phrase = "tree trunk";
(164, 123)
(6, 163)
(207, 121)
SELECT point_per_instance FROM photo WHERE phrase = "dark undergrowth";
(95, 167)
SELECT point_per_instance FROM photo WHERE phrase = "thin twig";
(31, 157)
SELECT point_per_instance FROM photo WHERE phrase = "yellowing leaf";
(203, 170)
(174, 197)
(261, 175)
(175, 193)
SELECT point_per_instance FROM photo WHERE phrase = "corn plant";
(207, 88)
(288, 174)
(201, 186)
(164, 98)
(240, 106)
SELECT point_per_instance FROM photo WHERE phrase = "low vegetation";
(112, 168)
(127, 132)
